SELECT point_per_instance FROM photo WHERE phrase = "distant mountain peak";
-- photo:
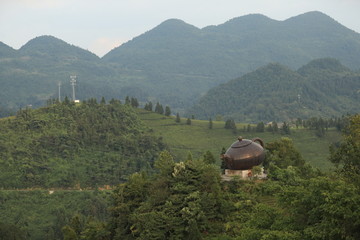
(174, 24)
(43, 41)
(244, 23)
(47, 44)
(5, 50)
(313, 17)
(329, 64)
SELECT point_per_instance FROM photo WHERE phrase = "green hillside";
(322, 88)
(81, 147)
(67, 145)
(197, 138)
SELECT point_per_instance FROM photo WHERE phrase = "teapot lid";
(241, 143)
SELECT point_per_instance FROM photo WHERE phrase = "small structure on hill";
(242, 156)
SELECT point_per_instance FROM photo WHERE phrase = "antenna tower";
(73, 83)
(59, 84)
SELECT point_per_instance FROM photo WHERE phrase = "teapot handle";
(258, 140)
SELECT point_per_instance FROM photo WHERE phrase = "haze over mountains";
(174, 63)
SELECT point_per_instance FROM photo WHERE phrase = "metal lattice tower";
(73, 83)
(59, 84)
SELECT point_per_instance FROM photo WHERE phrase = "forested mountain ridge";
(322, 88)
(203, 58)
(51, 46)
(6, 51)
(174, 63)
(30, 75)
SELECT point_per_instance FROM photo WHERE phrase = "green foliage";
(210, 124)
(347, 154)
(177, 119)
(188, 121)
(134, 102)
(198, 138)
(10, 231)
(65, 145)
(230, 124)
(167, 111)
(209, 158)
(282, 153)
(185, 204)
(149, 106)
(324, 208)
(41, 214)
(281, 94)
(165, 163)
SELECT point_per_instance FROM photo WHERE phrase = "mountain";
(48, 46)
(174, 63)
(6, 51)
(176, 54)
(31, 74)
(321, 88)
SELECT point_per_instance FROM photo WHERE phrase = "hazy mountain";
(31, 74)
(174, 63)
(322, 88)
(49, 46)
(6, 51)
(176, 54)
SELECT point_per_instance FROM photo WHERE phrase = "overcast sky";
(101, 25)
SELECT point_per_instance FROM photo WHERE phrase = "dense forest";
(188, 200)
(68, 145)
(69, 151)
(322, 88)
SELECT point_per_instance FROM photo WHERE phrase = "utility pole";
(59, 84)
(73, 83)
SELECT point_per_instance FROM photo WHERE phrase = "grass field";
(197, 138)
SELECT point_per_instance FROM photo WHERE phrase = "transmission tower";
(59, 84)
(73, 83)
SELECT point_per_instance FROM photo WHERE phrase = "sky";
(101, 25)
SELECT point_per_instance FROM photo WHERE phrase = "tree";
(167, 111)
(285, 128)
(260, 127)
(323, 208)
(347, 154)
(210, 124)
(127, 100)
(165, 163)
(134, 102)
(159, 108)
(188, 121)
(178, 120)
(282, 153)
(275, 127)
(103, 101)
(149, 106)
(189, 156)
(209, 158)
(230, 124)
